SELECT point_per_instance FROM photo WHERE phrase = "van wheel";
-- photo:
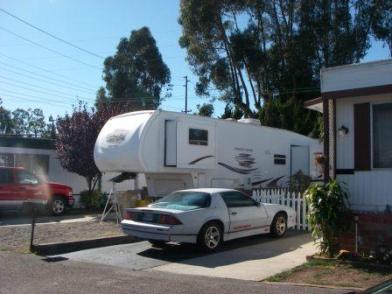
(279, 225)
(57, 205)
(210, 237)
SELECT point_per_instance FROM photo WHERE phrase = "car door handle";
(234, 213)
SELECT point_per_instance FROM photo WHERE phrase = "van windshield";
(184, 201)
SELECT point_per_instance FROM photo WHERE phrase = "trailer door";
(170, 143)
(299, 159)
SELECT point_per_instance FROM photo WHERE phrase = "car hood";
(55, 185)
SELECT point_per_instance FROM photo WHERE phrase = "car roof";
(209, 190)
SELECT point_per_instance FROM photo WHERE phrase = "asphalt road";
(26, 273)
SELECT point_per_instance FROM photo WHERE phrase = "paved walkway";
(255, 262)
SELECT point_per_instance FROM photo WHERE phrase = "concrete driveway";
(254, 258)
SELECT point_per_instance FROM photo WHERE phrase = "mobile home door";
(170, 143)
(299, 159)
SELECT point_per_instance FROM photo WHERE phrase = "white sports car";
(206, 217)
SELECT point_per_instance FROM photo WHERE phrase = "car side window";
(24, 177)
(5, 176)
(237, 199)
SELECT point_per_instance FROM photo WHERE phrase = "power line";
(44, 69)
(49, 49)
(51, 35)
(44, 80)
(37, 91)
(34, 96)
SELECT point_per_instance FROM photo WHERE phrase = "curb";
(315, 286)
(66, 247)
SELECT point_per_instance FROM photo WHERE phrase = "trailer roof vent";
(251, 121)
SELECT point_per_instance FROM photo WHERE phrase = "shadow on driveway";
(256, 248)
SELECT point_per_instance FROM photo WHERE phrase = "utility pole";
(186, 94)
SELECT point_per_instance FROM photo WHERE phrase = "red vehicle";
(18, 186)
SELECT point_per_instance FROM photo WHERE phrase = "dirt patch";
(17, 239)
(335, 273)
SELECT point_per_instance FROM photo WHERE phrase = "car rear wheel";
(157, 243)
(210, 237)
(279, 225)
(57, 205)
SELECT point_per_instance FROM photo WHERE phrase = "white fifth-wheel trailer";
(179, 151)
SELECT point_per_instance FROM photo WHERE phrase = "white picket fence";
(287, 198)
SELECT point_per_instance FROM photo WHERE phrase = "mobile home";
(177, 151)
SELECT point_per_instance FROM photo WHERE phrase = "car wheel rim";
(212, 237)
(280, 225)
(58, 206)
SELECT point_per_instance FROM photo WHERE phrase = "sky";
(37, 71)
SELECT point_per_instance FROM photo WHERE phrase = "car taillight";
(165, 219)
(128, 215)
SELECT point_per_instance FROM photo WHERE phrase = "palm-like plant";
(327, 215)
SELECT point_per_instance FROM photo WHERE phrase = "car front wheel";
(57, 205)
(279, 225)
(210, 237)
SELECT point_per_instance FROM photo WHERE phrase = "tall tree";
(20, 118)
(264, 57)
(6, 122)
(206, 109)
(36, 122)
(137, 73)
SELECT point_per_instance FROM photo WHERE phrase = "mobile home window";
(382, 135)
(198, 137)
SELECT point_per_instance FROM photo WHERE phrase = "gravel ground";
(17, 239)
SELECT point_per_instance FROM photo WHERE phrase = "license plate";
(148, 217)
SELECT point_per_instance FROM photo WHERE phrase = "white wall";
(369, 190)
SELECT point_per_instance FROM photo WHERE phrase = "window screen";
(382, 135)
(198, 137)
(237, 199)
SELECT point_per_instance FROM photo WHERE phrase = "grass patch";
(335, 273)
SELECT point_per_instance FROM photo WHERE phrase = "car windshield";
(184, 201)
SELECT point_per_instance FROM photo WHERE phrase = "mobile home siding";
(371, 189)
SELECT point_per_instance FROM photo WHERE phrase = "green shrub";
(327, 215)
(91, 200)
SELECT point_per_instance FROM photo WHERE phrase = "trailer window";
(279, 159)
(198, 137)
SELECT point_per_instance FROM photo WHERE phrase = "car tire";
(157, 243)
(279, 225)
(210, 237)
(57, 206)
